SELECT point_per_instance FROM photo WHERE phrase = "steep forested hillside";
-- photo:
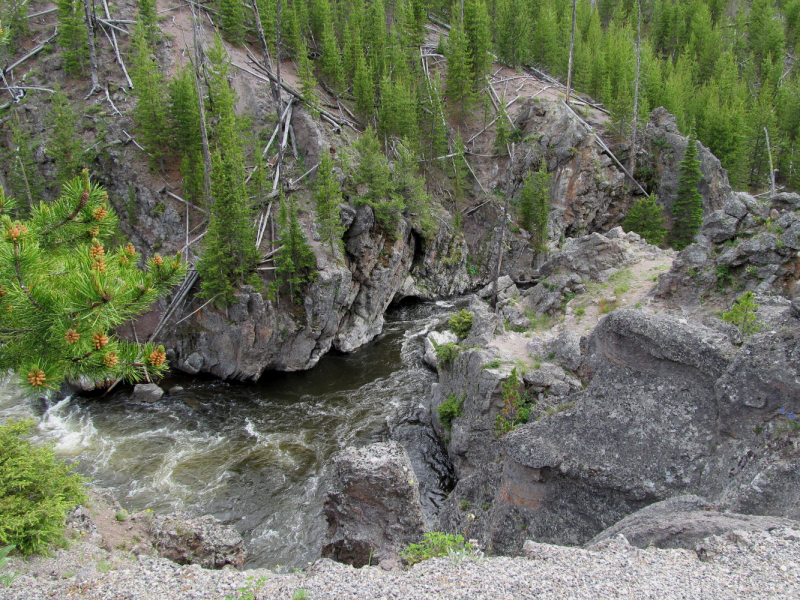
(391, 91)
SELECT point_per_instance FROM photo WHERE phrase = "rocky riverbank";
(737, 565)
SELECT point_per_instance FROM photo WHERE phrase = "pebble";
(730, 569)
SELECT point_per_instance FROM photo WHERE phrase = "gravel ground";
(736, 566)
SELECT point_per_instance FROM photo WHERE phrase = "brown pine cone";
(99, 340)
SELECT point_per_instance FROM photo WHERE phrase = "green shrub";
(461, 323)
(742, 314)
(450, 409)
(446, 353)
(646, 218)
(435, 544)
(36, 490)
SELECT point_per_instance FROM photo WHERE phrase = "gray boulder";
(146, 392)
(373, 505)
(683, 522)
(567, 350)
(719, 226)
(203, 541)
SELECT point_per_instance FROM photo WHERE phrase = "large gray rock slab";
(683, 522)
(372, 506)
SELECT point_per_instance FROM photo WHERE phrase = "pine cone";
(84, 199)
(94, 232)
(2, 291)
(123, 260)
(157, 357)
(130, 250)
(96, 250)
(99, 265)
(99, 340)
(110, 360)
(15, 232)
(36, 378)
(157, 260)
(99, 213)
(72, 336)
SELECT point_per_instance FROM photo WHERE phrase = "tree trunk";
(632, 160)
(503, 227)
(571, 47)
(198, 61)
(92, 53)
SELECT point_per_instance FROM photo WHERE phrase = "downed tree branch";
(116, 48)
(605, 148)
(176, 197)
(33, 52)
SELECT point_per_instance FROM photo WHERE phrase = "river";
(254, 455)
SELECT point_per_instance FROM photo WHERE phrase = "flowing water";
(254, 455)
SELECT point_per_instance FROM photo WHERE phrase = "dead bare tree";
(571, 47)
(632, 160)
(198, 62)
(503, 222)
(92, 52)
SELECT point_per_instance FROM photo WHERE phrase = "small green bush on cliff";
(743, 314)
(450, 409)
(36, 490)
(461, 323)
(446, 354)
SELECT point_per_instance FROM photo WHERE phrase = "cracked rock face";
(372, 506)
(672, 407)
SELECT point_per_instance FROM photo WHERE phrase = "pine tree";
(373, 171)
(232, 20)
(460, 187)
(23, 175)
(184, 113)
(458, 79)
(646, 218)
(436, 137)
(363, 89)
(65, 143)
(511, 31)
(687, 210)
(64, 292)
(411, 186)
(332, 66)
(72, 35)
(503, 130)
(151, 100)
(15, 17)
(296, 264)
(328, 197)
(229, 255)
(534, 206)
(148, 18)
(479, 40)
(267, 10)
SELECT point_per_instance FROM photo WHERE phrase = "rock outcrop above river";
(672, 407)
(746, 245)
(372, 506)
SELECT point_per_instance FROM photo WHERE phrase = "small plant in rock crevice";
(516, 406)
(743, 315)
(446, 353)
(450, 409)
(6, 579)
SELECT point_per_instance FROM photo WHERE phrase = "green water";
(254, 455)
